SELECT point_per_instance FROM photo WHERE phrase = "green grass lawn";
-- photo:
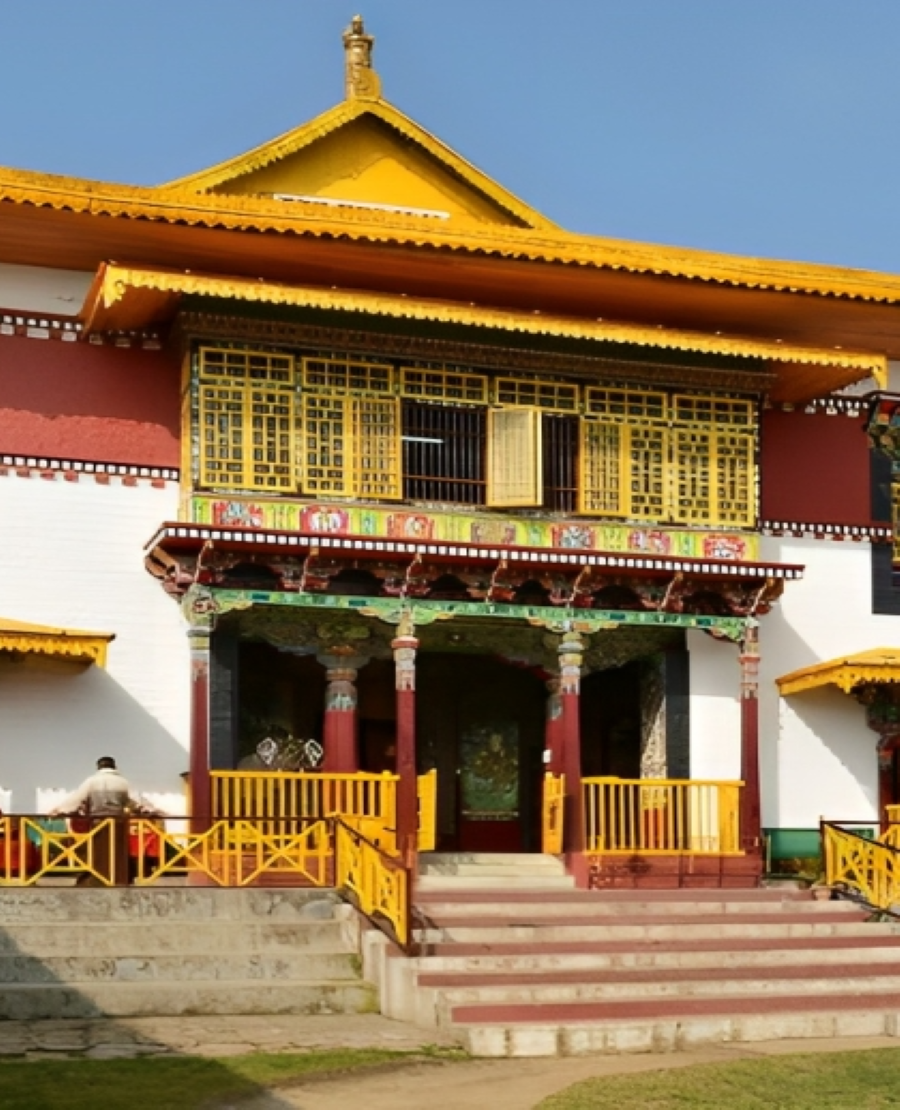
(867, 1080)
(173, 1082)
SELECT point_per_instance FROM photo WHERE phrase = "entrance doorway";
(480, 723)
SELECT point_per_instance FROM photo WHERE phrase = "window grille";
(625, 406)
(335, 375)
(351, 446)
(246, 410)
(549, 396)
(438, 384)
(443, 453)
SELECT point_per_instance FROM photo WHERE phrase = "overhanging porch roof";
(879, 665)
(123, 299)
(72, 644)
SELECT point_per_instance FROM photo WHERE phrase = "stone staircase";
(518, 963)
(169, 951)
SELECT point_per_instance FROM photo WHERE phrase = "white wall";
(35, 289)
(71, 554)
(826, 756)
(715, 708)
(817, 757)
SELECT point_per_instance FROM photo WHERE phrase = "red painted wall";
(79, 401)
(814, 468)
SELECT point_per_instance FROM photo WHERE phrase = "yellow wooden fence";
(368, 801)
(662, 816)
(870, 868)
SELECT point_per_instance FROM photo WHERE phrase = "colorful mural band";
(461, 527)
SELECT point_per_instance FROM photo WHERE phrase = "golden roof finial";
(360, 79)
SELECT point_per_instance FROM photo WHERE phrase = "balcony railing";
(662, 816)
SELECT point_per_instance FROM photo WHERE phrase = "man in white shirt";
(103, 795)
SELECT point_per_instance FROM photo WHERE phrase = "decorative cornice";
(25, 466)
(870, 533)
(197, 325)
(40, 326)
(196, 535)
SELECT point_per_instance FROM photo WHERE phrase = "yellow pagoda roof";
(73, 644)
(176, 204)
(846, 672)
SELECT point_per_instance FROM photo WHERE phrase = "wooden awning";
(847, 672)
(72, 644)
(126, 298)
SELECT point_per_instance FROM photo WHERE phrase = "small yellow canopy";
(67, 643)
(846, 672)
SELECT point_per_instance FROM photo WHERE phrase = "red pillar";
(339, 728)
(751, 821)
(407, 788)
(570, 651)
(199, 781)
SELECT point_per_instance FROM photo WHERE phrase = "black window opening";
(444, 453)
(559, 436)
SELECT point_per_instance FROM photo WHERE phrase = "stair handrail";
(377, 883)
(863, 866)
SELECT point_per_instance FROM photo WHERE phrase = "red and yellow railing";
(866, 867)
(368, 801)
(662, 816)
(376, 882)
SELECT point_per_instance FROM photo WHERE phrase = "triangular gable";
(365, 153)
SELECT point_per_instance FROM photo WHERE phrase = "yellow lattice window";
(602, 482)
(376, 447)
(625, 406)
(735, 486)
(713, 477)
(623, 470)
(549, 396)
(514, 473)
(246, 414)
(647, 468)
(713, 411)
(326, 452)
(337, 375)
(351, 446)
(440, 384)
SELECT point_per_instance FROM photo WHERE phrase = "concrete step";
(573, 903)
(533, 882)
(450, 998)
(29, 905)
(648, 930)
(170, 938)
(872, 1018)
(429, 861)
(751, 952)
(283, 966)
(32, 1002)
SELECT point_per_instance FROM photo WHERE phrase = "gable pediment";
(366, 154)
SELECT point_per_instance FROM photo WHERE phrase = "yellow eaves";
(71, 644)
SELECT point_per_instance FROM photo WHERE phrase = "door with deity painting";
(481, 724)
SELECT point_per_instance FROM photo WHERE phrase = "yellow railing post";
(427, 787)
(553, 811)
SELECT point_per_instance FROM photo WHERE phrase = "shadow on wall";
(846, 786)
(58, 717)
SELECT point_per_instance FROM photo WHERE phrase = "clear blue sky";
(761, 127)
